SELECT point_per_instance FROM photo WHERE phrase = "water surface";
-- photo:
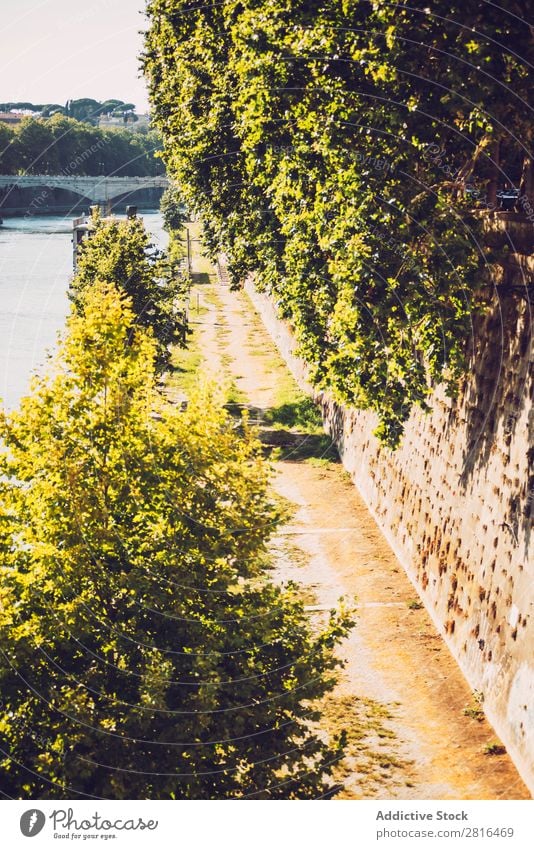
(35, 270)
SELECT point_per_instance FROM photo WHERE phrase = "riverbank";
(415, 729)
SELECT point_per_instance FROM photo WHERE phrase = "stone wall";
(456, 503)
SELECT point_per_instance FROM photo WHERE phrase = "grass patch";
(200, 262)
(286, 510)
(494, 749)
(474, 709)
(196, 309)
(297, 411)
(186, 364)
(371, 761)
(211, 296)
(315, 449)
(292, 408)
(320, 462)
(235, 398)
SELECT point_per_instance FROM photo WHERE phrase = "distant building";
(10, 118)
(114, 121)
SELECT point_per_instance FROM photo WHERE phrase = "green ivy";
(332, 150)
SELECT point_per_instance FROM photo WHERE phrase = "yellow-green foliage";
(145, 653)
(342, 152)
(121, 252)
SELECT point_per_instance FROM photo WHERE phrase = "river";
(35, 270)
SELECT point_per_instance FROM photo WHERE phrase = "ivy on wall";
(343, 152)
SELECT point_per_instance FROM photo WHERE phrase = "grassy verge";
(372, 762)
(187, 362)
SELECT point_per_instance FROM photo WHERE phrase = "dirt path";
(402, 698)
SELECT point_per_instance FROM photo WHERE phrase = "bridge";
(99, 190)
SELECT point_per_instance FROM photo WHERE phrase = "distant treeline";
(61, 145)
(84, 109)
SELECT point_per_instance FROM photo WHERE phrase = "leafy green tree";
(335, 151)
(52, 109)
(145, 652)
(477, 102)
(121, 252)
(173, 210)
(109, 106)
(76, 145)
(9, 156)
(126, 111)
(14, 107)
(59, 144)
(131, 154)
(83, 109)
(35, 147)
(89, 110)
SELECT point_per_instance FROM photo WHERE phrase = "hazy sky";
(55, 50)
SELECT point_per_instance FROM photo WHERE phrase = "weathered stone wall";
(456, 503)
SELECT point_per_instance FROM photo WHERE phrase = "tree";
(109, 106)
(121, 252)
(172, 209)
(52, 109)
(9, 157)
(76, 145)
(58, 144)
(145, 652)
(35, 147)
(126, 111)
(20, 107)
(83, 109)
(303, 134)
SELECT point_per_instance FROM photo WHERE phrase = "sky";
(52, 51)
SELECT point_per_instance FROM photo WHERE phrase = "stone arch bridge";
(99, 190)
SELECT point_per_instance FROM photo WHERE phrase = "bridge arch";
(99, 190)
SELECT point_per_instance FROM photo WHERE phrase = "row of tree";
(345, 153)
(83, 109)
(144, 650)
(61, 145)
(87, 109)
